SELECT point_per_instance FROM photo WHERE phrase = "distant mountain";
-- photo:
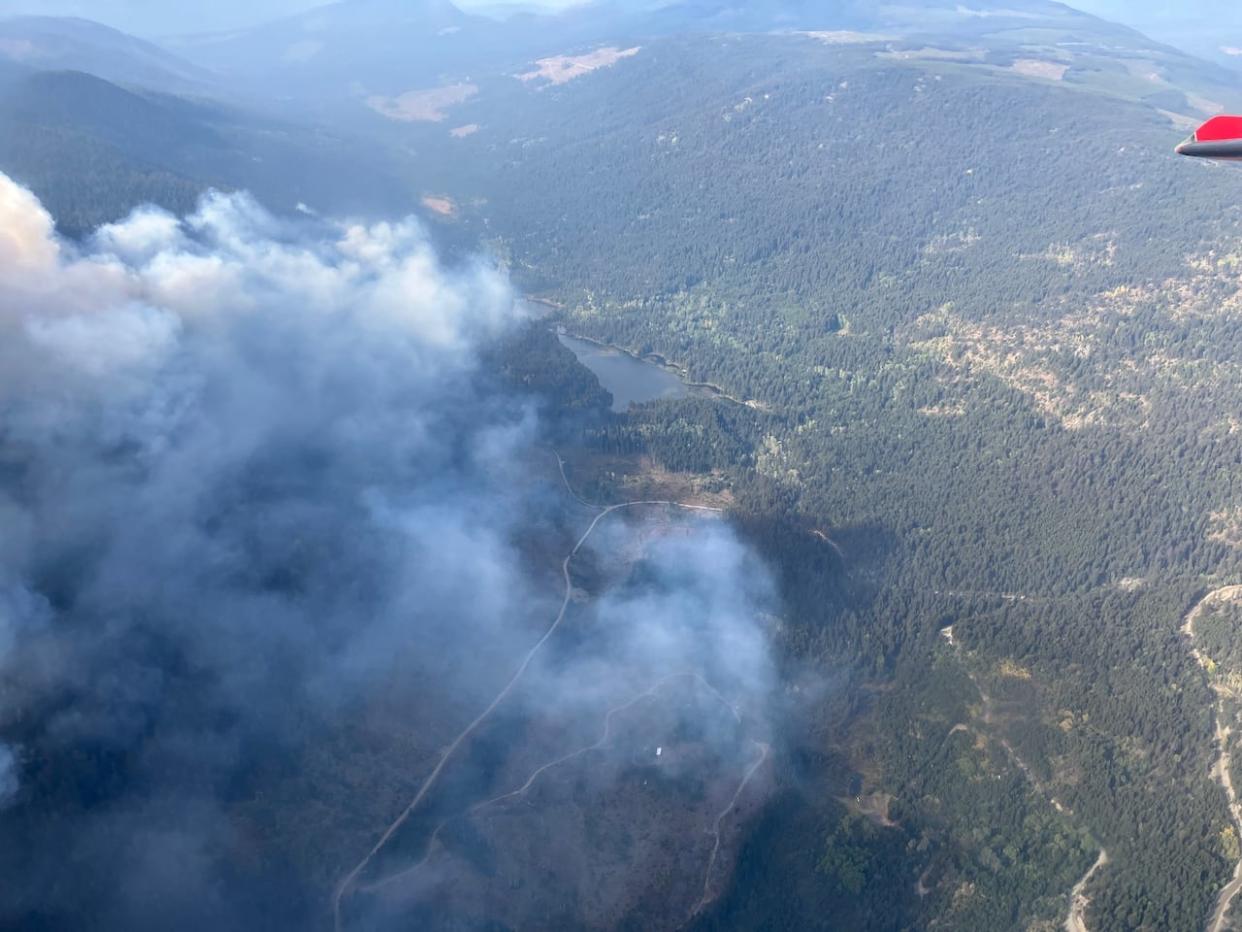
(387, 66)
(356, 51)
(936, 17)
(153, 18)
(59, 44)
(354, 47)
(1212, 28)
(93, 151)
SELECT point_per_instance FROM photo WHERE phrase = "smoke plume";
(259, 502)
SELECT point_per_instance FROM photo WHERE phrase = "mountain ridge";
(79, 44)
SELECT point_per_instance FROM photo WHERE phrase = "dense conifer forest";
(983, 328)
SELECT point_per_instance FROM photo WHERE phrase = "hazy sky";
(1206, 11)
(1201, 26)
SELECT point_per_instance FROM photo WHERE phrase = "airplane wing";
(1218, 138)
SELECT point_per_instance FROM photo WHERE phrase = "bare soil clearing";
(438, 204)
(561, 69)
(1036, 68)
(423, 106)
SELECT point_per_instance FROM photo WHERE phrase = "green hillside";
(985, 320)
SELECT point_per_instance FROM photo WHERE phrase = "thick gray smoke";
(8, 775)
(254, 486)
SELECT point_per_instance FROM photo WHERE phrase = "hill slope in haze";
(356, 48)
(50, 43)
(93, 151)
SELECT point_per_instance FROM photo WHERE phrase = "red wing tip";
(1219, 129)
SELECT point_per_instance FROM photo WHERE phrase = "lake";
(631, 380)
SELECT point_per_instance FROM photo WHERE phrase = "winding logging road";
(650, 693)
(1075, 919)
(1220, 771)
(350, 883)
(764, 752)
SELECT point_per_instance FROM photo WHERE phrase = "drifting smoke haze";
(253, 477)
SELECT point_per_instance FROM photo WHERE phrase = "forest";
(992, 389)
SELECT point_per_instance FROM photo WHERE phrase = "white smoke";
(250, 471)
(251, 452)
(151, 275)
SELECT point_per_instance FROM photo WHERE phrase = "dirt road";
(1076, 921)
(764, 752)
(600, 744)
(350, 881)
(1220, 771)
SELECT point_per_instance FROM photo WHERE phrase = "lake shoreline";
(660, 362)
